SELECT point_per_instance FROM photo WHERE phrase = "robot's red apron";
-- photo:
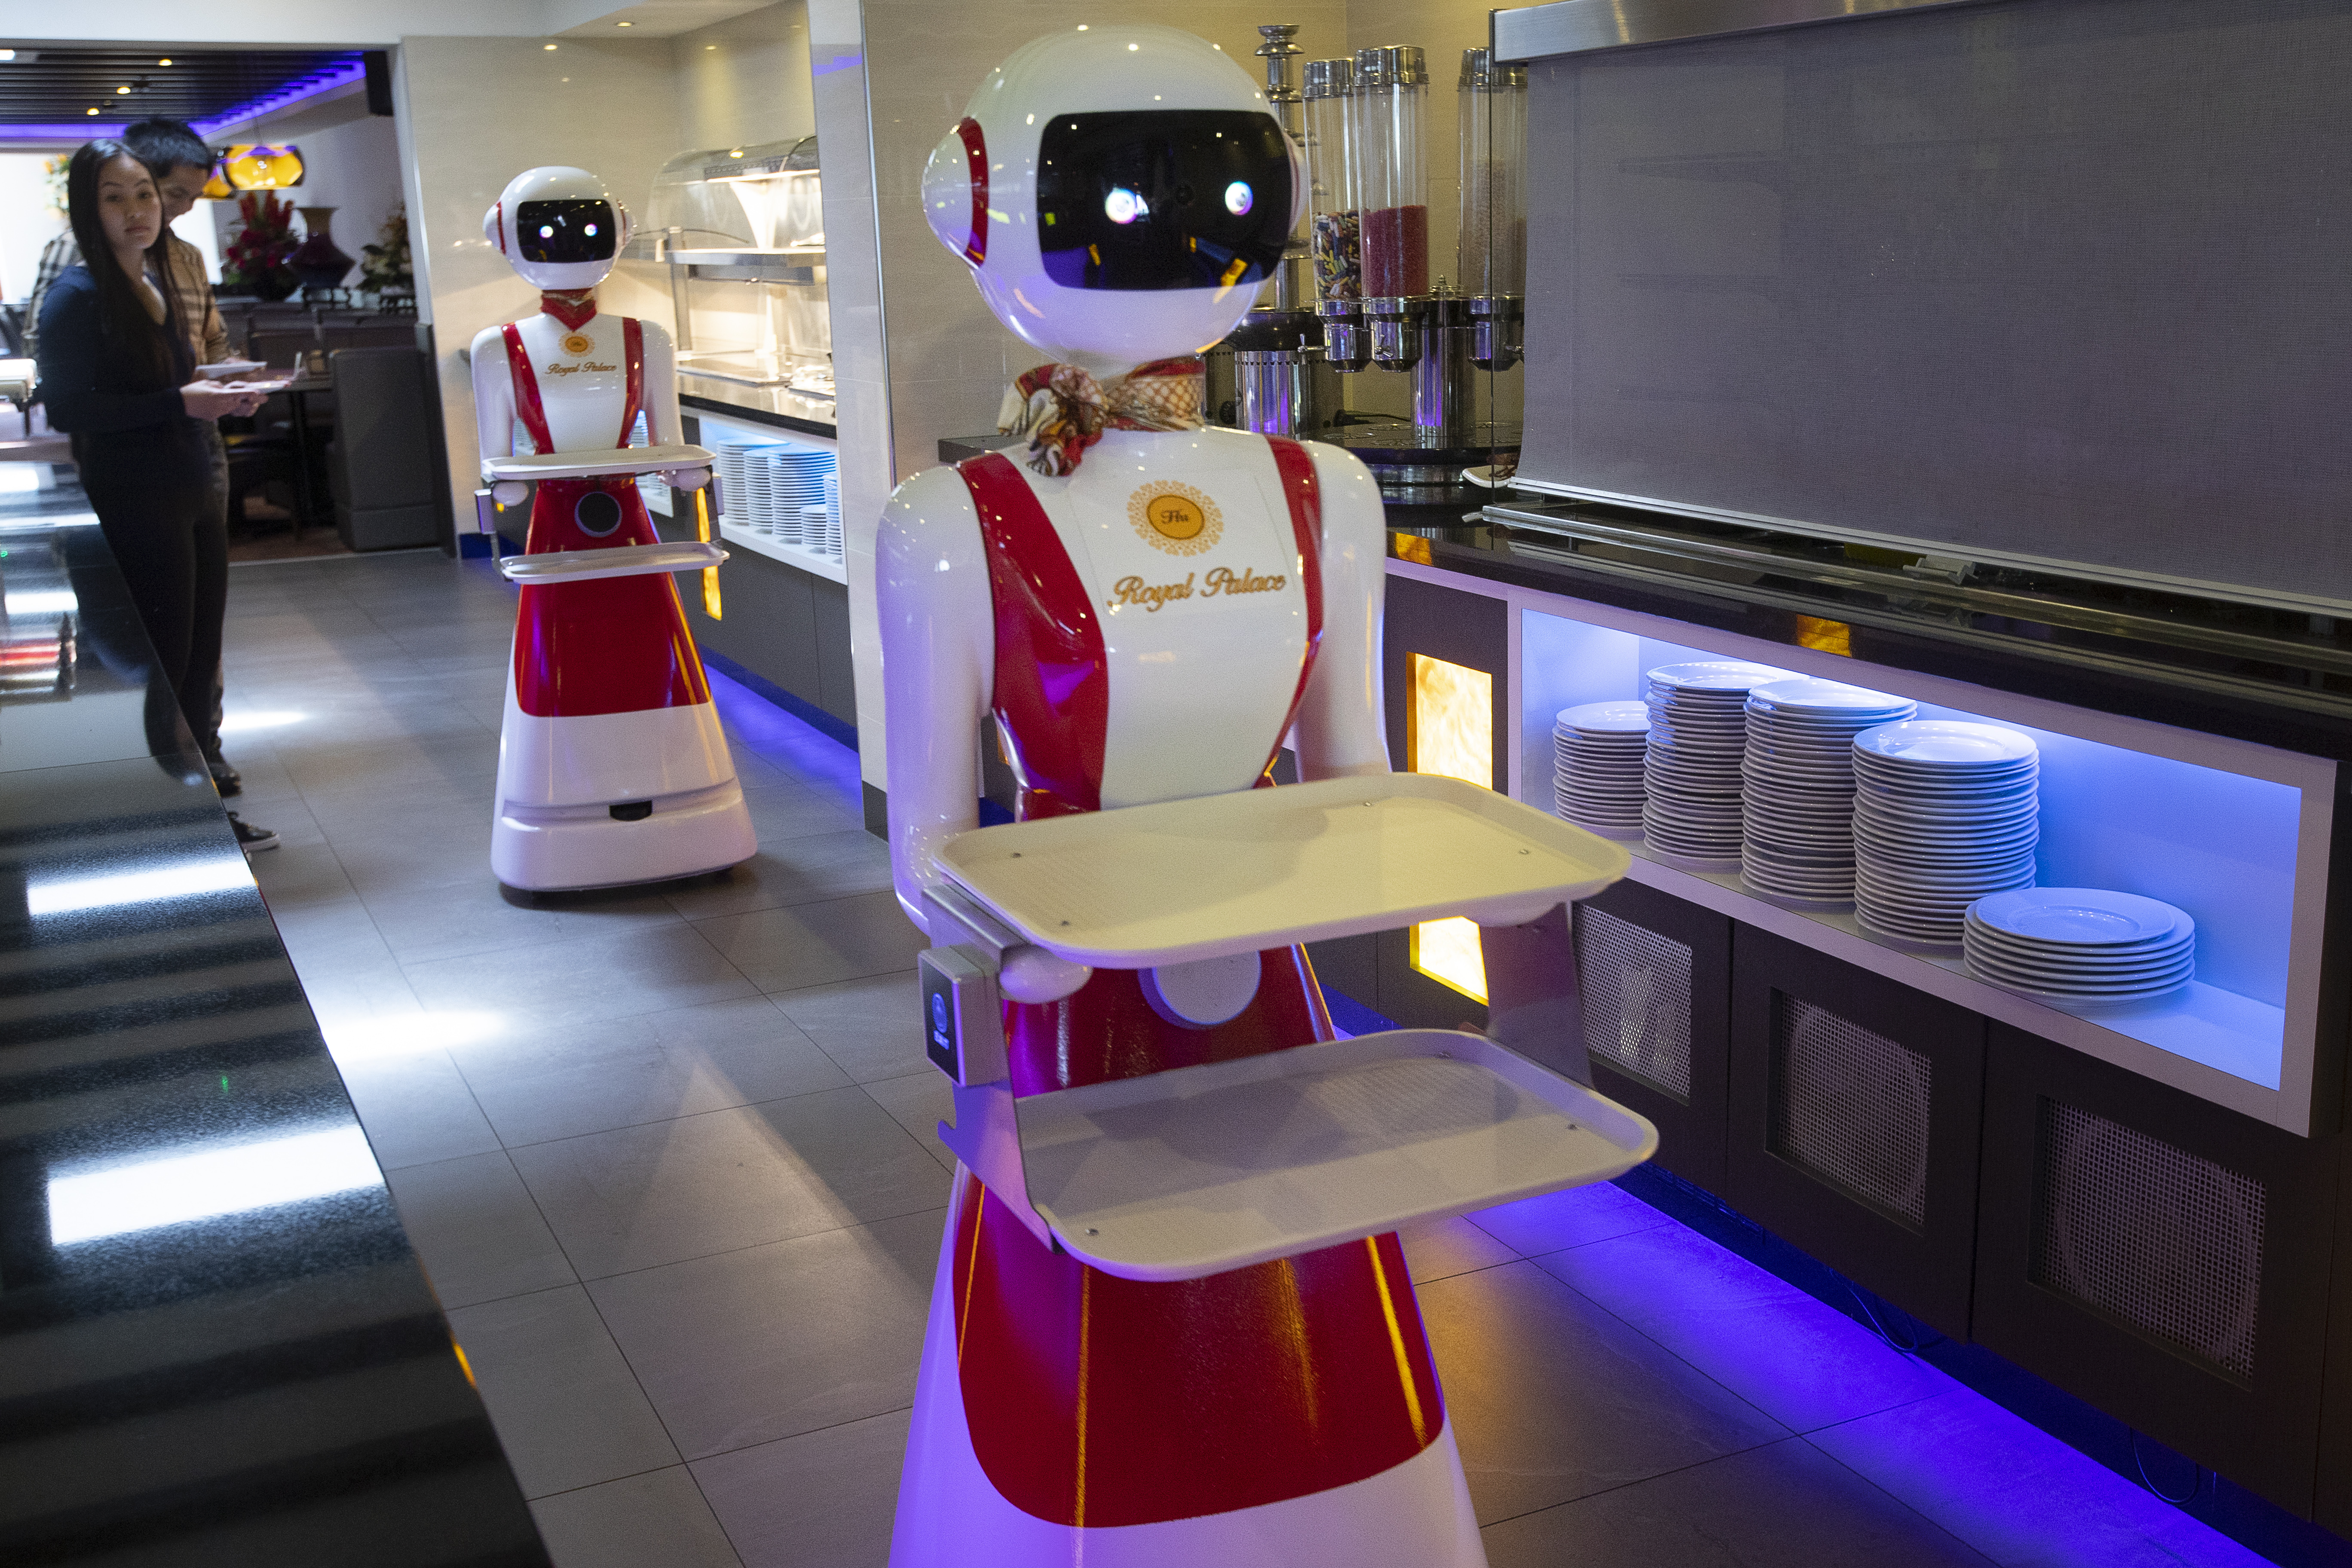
(1096, 1401)
(616, 644)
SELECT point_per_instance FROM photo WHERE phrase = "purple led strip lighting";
(307, 87)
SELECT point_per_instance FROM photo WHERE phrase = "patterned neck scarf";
(572, 307)
(1064, 410)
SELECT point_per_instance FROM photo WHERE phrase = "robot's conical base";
(1416, 1514)
(680, 809)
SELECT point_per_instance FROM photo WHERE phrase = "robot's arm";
(1341, 731)
(494, 408)
(938, 632)
(662, 422)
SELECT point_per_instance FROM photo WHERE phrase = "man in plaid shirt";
(182, 165)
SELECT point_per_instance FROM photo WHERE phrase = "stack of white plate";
(734, 495)
(1944, 813)
(1797, 797)
(2080, 948)
(1597, 755)
(795, 476)
(834, 546)
(1697, 733)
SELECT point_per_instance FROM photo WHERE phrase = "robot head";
(558, 226)
(1117, 191)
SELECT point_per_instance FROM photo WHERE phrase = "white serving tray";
(598, 464)
(622, 561)
(1195, 1170)
(1149, 885)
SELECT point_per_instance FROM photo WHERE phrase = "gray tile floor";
(668, 1157)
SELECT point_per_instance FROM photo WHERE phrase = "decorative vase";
(316, 261)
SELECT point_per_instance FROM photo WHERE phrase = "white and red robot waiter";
(1146, 607)
(613, 767)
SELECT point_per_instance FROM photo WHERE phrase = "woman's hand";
(210, 400)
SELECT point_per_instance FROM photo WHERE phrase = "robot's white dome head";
(1120, 191)
(559, 227)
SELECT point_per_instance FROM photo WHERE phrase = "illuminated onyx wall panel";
(1445, 673)
(1450, 730)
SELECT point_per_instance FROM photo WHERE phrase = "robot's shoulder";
(1342, 473)
(652, 331)
(932, 503)
(490, 338)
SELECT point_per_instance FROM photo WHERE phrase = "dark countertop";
(2226, 668)
(215, 1344)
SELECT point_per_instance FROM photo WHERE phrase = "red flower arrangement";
(257, 258)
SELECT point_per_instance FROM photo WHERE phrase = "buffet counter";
(2136, 1202)
(218, 1344)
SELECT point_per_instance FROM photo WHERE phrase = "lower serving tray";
(1199, 1170)
(622, 561)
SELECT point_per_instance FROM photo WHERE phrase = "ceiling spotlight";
(163, 62)
(122, 92)
(548, 48)
(624, 23)
(93, 108)
(7, 54)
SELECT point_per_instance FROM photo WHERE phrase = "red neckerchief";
(1063, 409)
(572, 307)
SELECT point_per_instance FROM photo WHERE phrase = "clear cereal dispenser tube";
(1492, 254)
(1335, 234)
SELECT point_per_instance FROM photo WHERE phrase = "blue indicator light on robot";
(1123, 205)
(1239, 197)
(545, 230)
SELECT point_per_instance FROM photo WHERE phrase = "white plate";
(1944, 786)
(1605, 718)
(2089, 985)
(1689, 862)
(1946, 743)
(1899, 815)
(1808, 694)
(1965, 883)
(2081, 961)
(1931, 941)
(2152, 962)
(1941, 845)
(2172, 980)
(2082, 917)
(1713, 674)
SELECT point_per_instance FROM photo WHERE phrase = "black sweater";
(105, 395)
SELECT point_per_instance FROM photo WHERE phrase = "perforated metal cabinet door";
(2162, 1259)
(1854, 1120)
(1655, 976)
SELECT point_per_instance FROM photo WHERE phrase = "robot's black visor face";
(566, 231)
(1175, 198)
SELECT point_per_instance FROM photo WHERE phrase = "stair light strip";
(214, 874)
(149, 1194)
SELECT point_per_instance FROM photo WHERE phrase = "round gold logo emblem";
(1175, 517)
(578, 344)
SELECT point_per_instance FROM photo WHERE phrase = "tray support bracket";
(1533, 1003)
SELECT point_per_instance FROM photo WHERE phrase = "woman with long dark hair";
(118, 374)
